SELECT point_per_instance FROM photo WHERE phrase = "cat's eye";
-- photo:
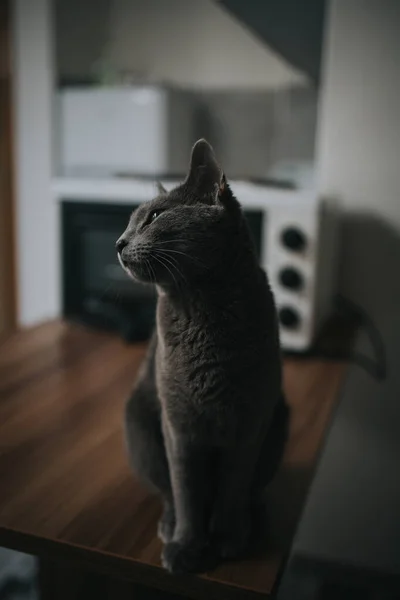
(153, 215)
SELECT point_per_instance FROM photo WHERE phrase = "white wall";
(188, 42)
(359, 143)
(37, 225)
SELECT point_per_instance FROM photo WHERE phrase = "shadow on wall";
(369, 271)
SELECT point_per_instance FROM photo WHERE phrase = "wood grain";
(66, 488)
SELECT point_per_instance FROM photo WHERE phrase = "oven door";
(95, 289)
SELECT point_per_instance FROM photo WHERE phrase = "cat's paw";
(188, 557)
(166, 525)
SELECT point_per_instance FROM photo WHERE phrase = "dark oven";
(95, 290)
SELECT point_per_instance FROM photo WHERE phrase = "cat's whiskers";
(192, 258)
(173, 261)
(173, 241)
(111, 290)
(166, 267)
(167, 253)
(148, 266)
(153, 272)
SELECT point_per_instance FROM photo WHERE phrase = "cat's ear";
(204, 173)
(222, 185)
(161, 189)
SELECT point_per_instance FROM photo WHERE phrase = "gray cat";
(207, 422)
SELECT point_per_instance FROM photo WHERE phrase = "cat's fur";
(207, 422)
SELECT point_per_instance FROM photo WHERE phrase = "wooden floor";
(65, 487)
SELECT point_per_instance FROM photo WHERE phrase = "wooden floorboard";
(67, 490)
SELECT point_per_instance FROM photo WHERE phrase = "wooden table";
(66, 489)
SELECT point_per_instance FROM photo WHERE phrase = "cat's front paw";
(166, 525)
(188, 557)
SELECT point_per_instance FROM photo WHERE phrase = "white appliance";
(299, 249)
(135, 129)
(296, 234)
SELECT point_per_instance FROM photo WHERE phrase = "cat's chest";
(200, 368)
(195, 388)
(210, 386)
(188, 354)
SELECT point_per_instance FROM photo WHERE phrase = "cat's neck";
(232, 290)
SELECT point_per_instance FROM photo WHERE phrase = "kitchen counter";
(67, 492)
(128, 189)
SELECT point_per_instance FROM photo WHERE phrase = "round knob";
(294, 239)
(289, 317)
(291, 278)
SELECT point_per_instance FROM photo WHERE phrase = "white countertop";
(133, 190)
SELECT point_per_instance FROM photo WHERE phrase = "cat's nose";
(121, 243)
